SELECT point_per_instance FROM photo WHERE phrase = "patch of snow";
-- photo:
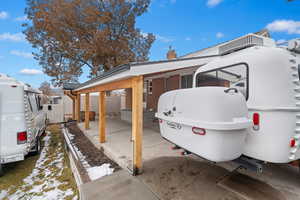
(3, 194)
(99, 171)
(71, 136)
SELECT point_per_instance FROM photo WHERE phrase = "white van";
(22, 120)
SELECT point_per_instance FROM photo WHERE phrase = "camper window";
(235, 76)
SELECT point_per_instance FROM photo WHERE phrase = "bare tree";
(98, 34)
(45, 88)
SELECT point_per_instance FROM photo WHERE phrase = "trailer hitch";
(250, 164)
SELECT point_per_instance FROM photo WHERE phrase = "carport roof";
(144, 68)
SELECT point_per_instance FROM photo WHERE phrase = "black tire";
(1, 170)
(37, 147)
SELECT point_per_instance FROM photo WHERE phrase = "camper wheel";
(1, 170)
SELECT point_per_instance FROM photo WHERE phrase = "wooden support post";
(102, 120)
(87, 111)
(78, 102)
(137, 123)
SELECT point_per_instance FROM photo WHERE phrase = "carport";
(129, 76)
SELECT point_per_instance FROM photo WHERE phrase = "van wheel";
(1, 170)
(37, 147)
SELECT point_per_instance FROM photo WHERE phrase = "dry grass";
(67, 176)
(16, 172)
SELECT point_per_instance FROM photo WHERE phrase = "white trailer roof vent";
(241, 43)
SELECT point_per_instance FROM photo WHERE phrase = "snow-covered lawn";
(48, 180)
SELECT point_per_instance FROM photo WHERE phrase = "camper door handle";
(229, 89)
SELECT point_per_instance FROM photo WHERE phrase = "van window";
(299, 71)
(28, 101)
(38, 101)
(33, 102)
(235, 76)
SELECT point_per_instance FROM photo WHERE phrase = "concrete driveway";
(173, 177)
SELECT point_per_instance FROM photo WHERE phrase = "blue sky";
(187, 25)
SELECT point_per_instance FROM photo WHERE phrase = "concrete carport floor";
(168, 175)
(119, 146)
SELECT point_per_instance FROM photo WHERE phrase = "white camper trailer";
(267, 77)
(22, 121)
(208, 127)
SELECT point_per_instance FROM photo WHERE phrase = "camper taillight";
(256, 121)
(22, 137)
(293, 143)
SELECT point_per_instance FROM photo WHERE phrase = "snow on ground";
(99, 171)
(79, 154)
(43, 183)
(3, 194)
(93, 172)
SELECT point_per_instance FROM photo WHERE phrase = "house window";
(149, 86)
(234, 76)
(187, 81)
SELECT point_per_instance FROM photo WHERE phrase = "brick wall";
(172, 83)
(158, 87)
